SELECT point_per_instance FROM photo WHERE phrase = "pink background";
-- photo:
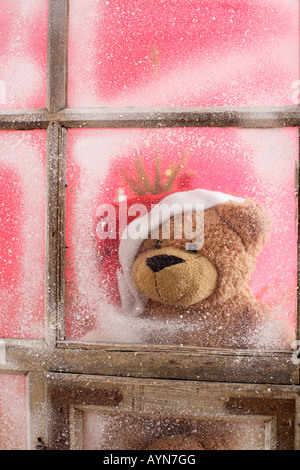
(183, 52)
(23, 59)
(22, 233)
(13, 419)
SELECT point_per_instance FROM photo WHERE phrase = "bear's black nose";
(159, 262)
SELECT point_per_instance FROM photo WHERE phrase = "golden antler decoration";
(143, 185)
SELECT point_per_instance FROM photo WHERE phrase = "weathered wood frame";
(70, 395)
(54, 354)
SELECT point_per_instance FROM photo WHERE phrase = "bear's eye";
(191, 248)
(158, 244)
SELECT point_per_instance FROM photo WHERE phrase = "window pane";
(109, 166)
(22, 233)
(13, 426)
(23, 39)
(109, 431)
(183, 53)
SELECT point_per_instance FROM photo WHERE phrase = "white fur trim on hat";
(133, 302)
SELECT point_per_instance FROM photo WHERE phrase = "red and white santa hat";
(118, 253)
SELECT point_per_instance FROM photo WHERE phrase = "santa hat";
(118, 253)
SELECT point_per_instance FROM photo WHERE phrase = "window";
(207, 92)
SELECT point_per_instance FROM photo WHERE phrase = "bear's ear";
(248, 220)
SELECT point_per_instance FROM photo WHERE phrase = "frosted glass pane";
(108, 431)
(23, 39)
(183, 52)
(13, 425)
(22, 233)
(246, 163)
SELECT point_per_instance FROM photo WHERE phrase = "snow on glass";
(183, 53)
(111, 431)
(13, 417)
(22, 233)
(23, 39)
(251, 163)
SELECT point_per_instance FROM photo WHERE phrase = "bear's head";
(174, 271)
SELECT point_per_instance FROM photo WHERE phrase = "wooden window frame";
(37, 358)
(71, 395)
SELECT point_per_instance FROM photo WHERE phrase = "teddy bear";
(197, 287)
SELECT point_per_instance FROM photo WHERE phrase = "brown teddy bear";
(199, 291)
